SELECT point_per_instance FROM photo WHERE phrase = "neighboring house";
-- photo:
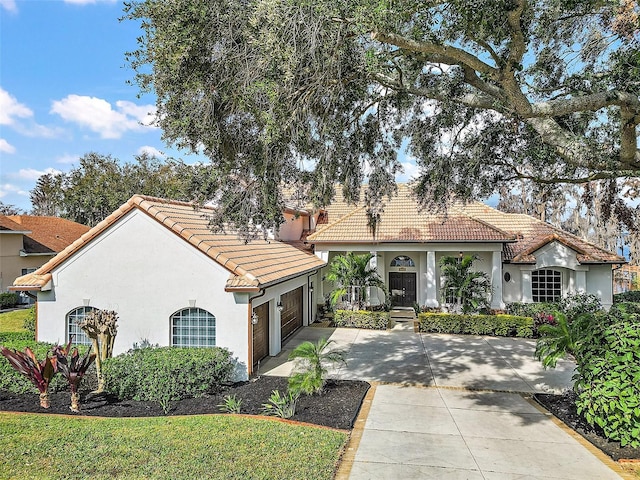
(527, 260)
(27, 242)
(174, 282)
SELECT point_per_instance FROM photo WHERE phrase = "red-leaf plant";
(73, 367)
(39, 372)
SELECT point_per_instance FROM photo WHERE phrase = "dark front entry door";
(261, 333)
(403, 288)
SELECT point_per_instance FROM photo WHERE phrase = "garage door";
(261, 333)
(291, 315)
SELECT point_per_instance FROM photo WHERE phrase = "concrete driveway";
(452, 407)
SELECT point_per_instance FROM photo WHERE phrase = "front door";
(403, 288)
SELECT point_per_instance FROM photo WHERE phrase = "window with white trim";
(402, 261)
(74, 317)
(546, 285)
(193, 327)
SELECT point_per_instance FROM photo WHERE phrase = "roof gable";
(252, 265)
(47, 235)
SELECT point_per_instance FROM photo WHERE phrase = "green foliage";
(10, 337)
(13, 381)
(100, 184)
(231, 404)
(469, 288)
(579, 303)
(351, 274)
(29, 323)
(281, 405)
(561, 339)
(167, 374)
(38, 372)
(608, 377)
(625, 308)
(501, 325)
(630, 296)
(530, 309)
(362, 319)
(342, 84)
(311, 365)
(8, 299)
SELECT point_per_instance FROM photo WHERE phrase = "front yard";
(211, 446)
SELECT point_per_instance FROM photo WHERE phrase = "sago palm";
(313, 359)
(352, 273)
(470, 288)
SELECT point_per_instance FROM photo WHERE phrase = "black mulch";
(337, 406)
(564, 407)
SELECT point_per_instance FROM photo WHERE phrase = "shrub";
(283, 406)
(38, 372)
(500, 325)
(608, 377)
(631, 296)
(13, 381)
(8, 299)
(29, 323)
(530, 309)
(12, 337)
(167, 374)
(362, 319)
(578, 304)
(625, 308)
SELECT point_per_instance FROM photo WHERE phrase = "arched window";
(546, 285)
(402, 261)
(74, 317)
(193, 327)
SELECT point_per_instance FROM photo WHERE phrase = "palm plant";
(38, 372)
(351, 274)
(73, 368)
(560, 339)
(469, 288)
(313, 359)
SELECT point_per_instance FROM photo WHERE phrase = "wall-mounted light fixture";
(310, 288)
(254, 318)
(86, 302)
(192, 303)
(280, 307)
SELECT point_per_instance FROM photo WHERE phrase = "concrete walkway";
(452, 407)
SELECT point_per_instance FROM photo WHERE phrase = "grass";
(12, 321)
(213, 446)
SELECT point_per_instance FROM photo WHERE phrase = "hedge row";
(167, 374)
(631, 296)
(362, 319)
(500, 325)
(8, 299)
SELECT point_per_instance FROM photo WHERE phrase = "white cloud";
(9, 5)
(8, 188)
(10, 108)
(68, 159)
(411, 171)
(99, 116)
(32, 174)
(6, 147)
(151, 151)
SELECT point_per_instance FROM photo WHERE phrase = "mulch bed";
(336, 407)
(564, 407)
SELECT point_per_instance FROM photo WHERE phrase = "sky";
(64, 92)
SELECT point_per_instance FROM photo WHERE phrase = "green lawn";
(218, 446)
(12, 321)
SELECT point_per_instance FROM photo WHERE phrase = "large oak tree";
(313, 92)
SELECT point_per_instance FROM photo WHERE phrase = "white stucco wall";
(600, 283)
(145, 273)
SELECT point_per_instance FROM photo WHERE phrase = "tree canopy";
(99, 184)
(480, 93)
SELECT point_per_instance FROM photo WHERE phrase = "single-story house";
(29, 241)
(527, 260)
(175, 282)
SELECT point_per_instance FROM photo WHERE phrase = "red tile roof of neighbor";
(402, 220)
(252, 266)
(9, 226)
(47, 235)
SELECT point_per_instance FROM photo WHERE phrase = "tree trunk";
(96, 350)
(44, 400)
(75, 402)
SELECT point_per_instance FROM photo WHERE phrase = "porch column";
(376, 295)
(525, 273)
(496, 281)
(431, 285)
(581, 281)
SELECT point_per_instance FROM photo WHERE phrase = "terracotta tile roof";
(252, 265)
(33, 281)
(47, 234)
(403, 221)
